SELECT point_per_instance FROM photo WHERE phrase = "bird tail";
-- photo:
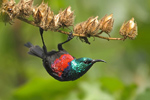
(34, 50)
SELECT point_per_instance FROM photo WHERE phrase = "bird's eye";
(87, 62)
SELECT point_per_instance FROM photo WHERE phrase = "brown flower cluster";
(129, 29)
(42, 15)
(92, 26)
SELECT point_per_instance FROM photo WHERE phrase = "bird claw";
(70, 36)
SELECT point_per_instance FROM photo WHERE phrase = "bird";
(60, 64)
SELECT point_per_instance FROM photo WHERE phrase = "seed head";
(88, 28)
(8, 9)
(49, 19)
(129, 29)
(66, 17)
(39, 12)
(43, 16)
(24, 8)
(106, 23)
(56, 21)
(80, 28)
(92, 26)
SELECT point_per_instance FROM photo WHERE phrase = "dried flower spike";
(44, 18)
(129, 29)
(106, 23)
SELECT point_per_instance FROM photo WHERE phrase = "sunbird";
(60, 64)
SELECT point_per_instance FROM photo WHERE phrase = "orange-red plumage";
(61, 63)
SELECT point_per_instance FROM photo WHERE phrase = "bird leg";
(70, 36)
(44, 46)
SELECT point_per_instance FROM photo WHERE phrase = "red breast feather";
(61, 63)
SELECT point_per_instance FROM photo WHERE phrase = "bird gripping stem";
(70, 36)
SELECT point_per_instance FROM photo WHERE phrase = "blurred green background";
(125, 76)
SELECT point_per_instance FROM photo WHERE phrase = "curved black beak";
(98, 60)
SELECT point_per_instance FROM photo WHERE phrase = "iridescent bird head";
(84, 63)
(79, 67)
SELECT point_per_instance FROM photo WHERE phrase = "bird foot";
(70, 36)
